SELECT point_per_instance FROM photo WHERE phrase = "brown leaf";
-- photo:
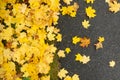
(84, 42)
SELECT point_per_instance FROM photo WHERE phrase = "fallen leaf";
(98, 45)
(62, 73)
(114, 6)
(112, 63)
(85, 24)
(67, 50)
(90, 12)
(75, 77)
(78, 57)
(75, 40)
(68, 78)
(61, 53)
(85, 59)
(67, 1)
(84, 42)
(101, 39)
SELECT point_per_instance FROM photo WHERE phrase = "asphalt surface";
(105, 24)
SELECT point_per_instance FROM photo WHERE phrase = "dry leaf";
(84, 42)
(85, 24)
(114, 6)
(98, 45)
(112, 63)
(85, 59)
(62, 73)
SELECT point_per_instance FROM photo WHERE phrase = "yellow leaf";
(51, 36)
(85, 24)
(18, 78)
(67, 50)
(89, 1)
(90, 12)
(62, 73)
(45, 77)
(101, 39)
(70, 10)
(75, 40)
(61, 53)
(67, 1)
(75, 77)
(78, 57)
(85, 59)
(59, 37)
(98, 45)
(114, 6)
(112, 63)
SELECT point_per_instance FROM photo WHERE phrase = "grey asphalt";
(105, 24)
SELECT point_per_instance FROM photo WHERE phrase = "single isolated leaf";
(68, 78)
(112, 63)
(90, 12)
(89, 1)
(98, 45)
(84, 42)
(85, 24)
(67, 50)
(114, 6)
(61, 53)
(62, 73)
(75, 40)
(101, 39)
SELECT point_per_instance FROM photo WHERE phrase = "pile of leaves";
(27, 38)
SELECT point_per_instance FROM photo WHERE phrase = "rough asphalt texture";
(104, 24)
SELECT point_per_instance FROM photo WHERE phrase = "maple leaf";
(78, 57)
(84, 42)
(67, 50)
(112, 63)
(90, 12)
(75, 77)
(75, 40)
(98, 45)
(101, 39)
(89, 1)
(61, 53)
(59, 37)
(85, 59)
(68, 78)
(114, 6)
(62, 73)
(51, 36)
(85, 24)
